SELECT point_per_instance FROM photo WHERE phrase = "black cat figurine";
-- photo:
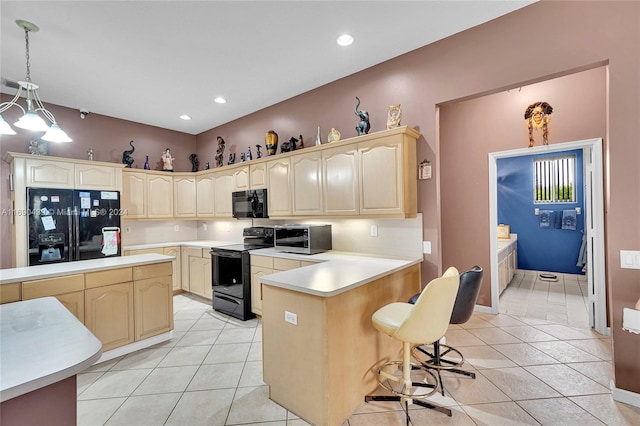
(363, 126)
(126, 155)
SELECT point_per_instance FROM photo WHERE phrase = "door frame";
(594, 227)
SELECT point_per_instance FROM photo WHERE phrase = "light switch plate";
(426, 247)
(374, 230)
(630, 259)
(291, 318)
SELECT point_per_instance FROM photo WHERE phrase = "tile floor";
(528, 371)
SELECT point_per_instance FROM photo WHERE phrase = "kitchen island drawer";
(9, 293)
(109, 276)
(52, 286)
(262, 261)
(152, 271)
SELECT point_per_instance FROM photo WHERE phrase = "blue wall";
(539, 249)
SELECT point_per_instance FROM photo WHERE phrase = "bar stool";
(424, 322)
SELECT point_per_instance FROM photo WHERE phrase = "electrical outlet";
(176, 228)
(204, 226)
(426, 247)
(127, 229)
(291, 318)
(374, 230)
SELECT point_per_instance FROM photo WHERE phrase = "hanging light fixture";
(31, 120)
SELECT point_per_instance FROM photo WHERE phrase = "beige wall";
(537, 43)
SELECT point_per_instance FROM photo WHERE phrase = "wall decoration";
(333, 135)
(220, 153)
(38, 147)
(195, 164)
(167, 161)
(363, 126)
(271, 142)
(126, 155)
(538, 116)
(394, 116)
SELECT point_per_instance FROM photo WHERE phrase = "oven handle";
(226, 253)
(228, 299)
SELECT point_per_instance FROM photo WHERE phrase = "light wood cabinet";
(196, 271)
(241, 179)
(153, 299)
(224, 184)
(134, 193)
(10, 293)
(159, 196)
(74, 302)
(258, 175)
(69, 290)
(278, 182)
(93, 176)
(306, 184)
(184, 196)
(49, 174)
(205, 196)
(381, 178)
(340, 193)
(176, 266)
(109, 314)
(507, 264)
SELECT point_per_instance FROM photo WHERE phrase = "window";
(554, 180)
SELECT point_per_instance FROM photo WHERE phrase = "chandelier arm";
(40, 107)
(13, 102)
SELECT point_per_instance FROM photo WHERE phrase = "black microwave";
(251, 204)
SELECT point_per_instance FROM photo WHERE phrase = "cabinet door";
(197, 278)
(340, 193)
(279, 193)
(134, 193)
(109, 314)
(256, 287)
(90, 176)
(49, 174)
(159, 196)
(207, 273)
(223, 187)
(10, 293)
(258, 175)
(306, 182)
(153, 306)
(184, 198)
(74, 302)
(241, 179)
(176, 264)
(381, 178)
(205, 196)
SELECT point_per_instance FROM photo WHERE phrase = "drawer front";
(281, 264)
(111, 276)
(52, 286)
(263, 261)
(9, 293)
(192, 251)
(152, 271)
(306, 263)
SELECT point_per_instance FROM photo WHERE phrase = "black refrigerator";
(67, 225)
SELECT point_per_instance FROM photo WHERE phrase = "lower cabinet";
(507, 265)
(196, 271)
(109, 314)
(69, 290)
(153, 300)
(169, 251)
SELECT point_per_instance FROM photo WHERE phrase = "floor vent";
(548, 277)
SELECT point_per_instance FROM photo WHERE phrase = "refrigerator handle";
(70, 238)
(76, 231)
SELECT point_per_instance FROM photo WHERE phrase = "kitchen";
(110, 130)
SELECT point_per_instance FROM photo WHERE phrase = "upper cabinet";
(224, 184)
(258, 175)
(160, 195)
(92, 176)
(205, 190)
(184, 196)
(134, 194)
(306, 182)
(340, 190)
(279, 186)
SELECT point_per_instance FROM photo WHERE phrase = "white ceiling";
(151, 61)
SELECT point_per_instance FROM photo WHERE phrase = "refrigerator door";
(97, 230)
(50, 225)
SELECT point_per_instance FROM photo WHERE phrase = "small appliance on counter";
(231, 272)
(249, 204)
(67, 225)
(304, 239)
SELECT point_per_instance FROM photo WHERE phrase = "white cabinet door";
(241, 179)
(49, 174)
(90, 176)
(258, 175)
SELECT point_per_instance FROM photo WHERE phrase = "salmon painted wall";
(537, 43)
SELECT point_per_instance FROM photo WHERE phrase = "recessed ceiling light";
(185, 117)
(220, 100)
(345, 40)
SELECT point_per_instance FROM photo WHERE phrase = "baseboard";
(135, 346)
(625, 396)
(483, 309)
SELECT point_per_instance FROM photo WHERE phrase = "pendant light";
(31, 120)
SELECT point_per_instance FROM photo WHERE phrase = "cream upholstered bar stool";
(424, 322)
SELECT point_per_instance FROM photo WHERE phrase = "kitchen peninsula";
(319, 346)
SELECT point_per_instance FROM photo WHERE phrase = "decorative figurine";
(249, 155)
(363, 126)
(271, 142)
(38, 147)
(258, 152)
(293, 144)
(220, 152)
(232, 158)
(333, 136)
(146, 163)
(242, 157)
(90, 154)
(301, 144)
(318, 140)
(167, 161)
(126, 155)
(207, 166)
(194, 162)
(288, 145)
(394, 116)
(538, 116)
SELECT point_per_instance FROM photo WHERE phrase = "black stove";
(231, 272)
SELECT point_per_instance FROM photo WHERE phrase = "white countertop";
(29, 273)
(201, 244)
(335, 272)
(503, 243)
(41, 343)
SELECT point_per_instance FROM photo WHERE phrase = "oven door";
(229, 269)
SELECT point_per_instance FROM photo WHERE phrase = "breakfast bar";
(319, 347)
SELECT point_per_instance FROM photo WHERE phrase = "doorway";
(594, 223)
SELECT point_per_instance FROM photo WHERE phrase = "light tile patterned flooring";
(528, 372)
